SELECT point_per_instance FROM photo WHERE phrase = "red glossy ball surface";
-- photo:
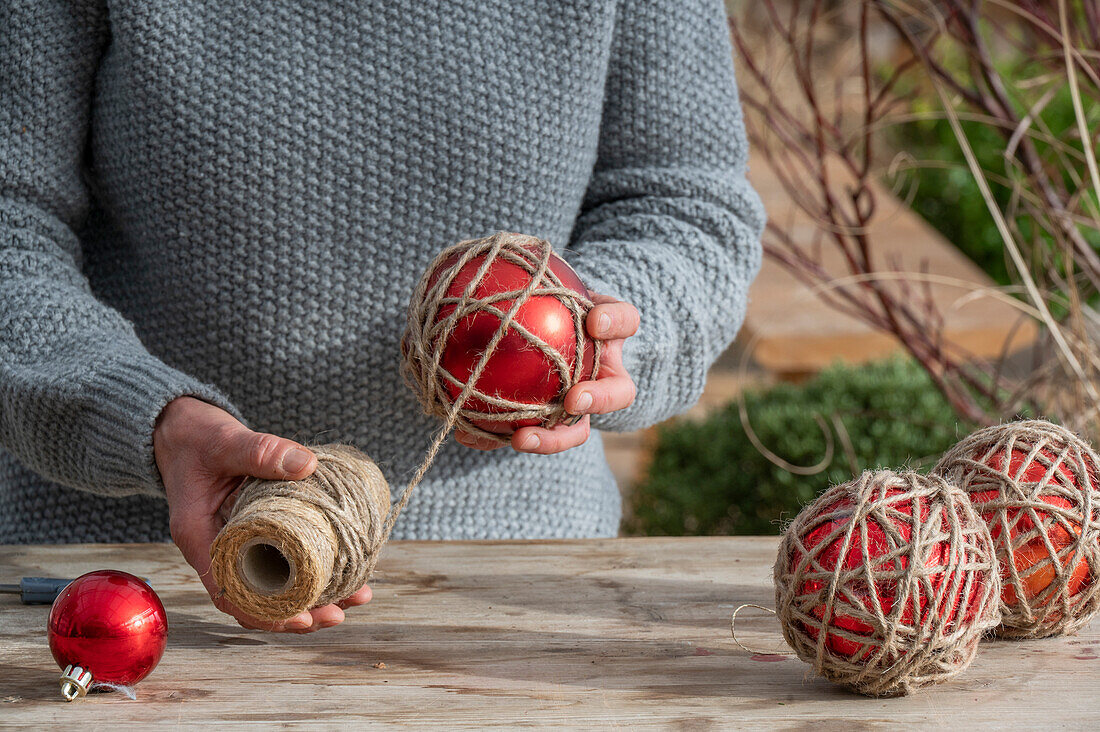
(516, 371)
(110, 623)
(887, 548)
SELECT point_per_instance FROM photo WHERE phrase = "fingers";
(612, 320)
(540, 441)
(326, 616)
(244, 452)
(477, 443)
(608, 394)
(309, 621)
(360, 597)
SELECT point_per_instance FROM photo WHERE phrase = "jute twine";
(292, 545)
(427, 332)
(886, 583)
(1035, 484)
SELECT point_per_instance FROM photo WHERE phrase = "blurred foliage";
(707, 478)
(946, 194)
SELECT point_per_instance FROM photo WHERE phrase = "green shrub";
(706, 477)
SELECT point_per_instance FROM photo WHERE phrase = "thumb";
(262, 455)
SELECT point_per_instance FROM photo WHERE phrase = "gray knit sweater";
(234, 200)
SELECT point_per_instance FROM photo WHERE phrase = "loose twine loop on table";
(933, 560)
(1006, 490)
(330, 527)
(742, 646)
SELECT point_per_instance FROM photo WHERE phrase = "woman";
(212, 217)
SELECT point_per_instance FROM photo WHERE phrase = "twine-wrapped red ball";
(496, 326)
(1037, 486)
(886, 583)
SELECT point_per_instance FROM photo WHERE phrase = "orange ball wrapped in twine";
(1036, 485)
(292, 545)
(887, 583)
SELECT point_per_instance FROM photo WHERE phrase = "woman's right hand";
(204, 453)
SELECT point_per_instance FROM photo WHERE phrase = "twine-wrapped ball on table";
(886, 583)
(1036, 485)
(292, 545)
(496, 336)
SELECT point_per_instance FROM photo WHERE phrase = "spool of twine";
(886, 583)
(427, 333)
(292, 545)
(1036, 486)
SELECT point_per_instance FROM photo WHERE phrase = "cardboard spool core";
(264, 568)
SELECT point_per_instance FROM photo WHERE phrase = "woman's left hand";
(612, 321)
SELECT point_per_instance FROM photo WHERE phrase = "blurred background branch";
(836, 91)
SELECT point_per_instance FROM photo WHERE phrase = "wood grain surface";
(620, 633)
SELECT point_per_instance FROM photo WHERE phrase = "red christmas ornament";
(106, 627)
(887, 583)
(536, 360)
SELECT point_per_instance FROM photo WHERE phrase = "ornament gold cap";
(74, 682)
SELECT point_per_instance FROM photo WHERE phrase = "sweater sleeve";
(669, 222)
(79, 394)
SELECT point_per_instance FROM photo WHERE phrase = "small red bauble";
(106, 627)
(522, 372)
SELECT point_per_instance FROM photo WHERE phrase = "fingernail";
(295, 460)
(584, 401)
(603, 323)
(530, 443)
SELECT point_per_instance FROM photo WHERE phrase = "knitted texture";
(236, 200)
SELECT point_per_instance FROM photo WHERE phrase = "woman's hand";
(612, 321)
(203, 454)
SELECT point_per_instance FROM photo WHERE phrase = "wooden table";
(607, 633)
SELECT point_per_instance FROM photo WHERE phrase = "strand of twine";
(491, 248)
(733, 631)
(125, 690)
